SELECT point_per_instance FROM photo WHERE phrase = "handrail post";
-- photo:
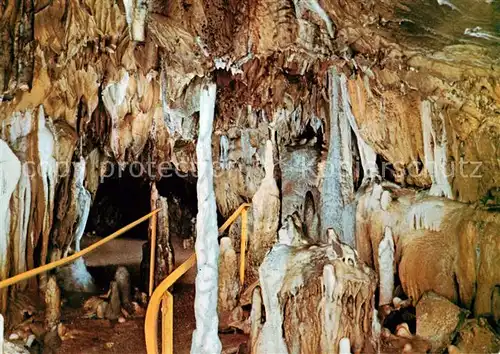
(243, 245)
(152, 255)
(167, 323)
(2, 324)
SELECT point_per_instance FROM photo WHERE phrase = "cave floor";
(104, 336)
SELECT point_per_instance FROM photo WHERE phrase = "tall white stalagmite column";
(338, 187)
(205, 336)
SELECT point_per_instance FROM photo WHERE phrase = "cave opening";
(123, 197)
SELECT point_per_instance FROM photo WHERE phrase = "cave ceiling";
(77, 59)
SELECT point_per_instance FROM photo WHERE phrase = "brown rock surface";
(476, 336)
(437, 320)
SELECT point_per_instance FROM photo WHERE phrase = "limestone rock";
(265, 212)
(313, 297)
(437, 320)
(52, 303)
(122, 278)
(228, 277)
(113, 310)
(476, 336)
(164, 260)
(435, 242)
(14, 348)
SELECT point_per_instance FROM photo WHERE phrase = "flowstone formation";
(439, 245)
(314, 297)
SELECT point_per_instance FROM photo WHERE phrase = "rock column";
(205, 336)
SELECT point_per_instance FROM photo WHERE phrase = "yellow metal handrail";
(161, 295)
(42, 269)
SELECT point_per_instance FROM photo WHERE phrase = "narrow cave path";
(98, 336)
(104, 336)
(120, 200)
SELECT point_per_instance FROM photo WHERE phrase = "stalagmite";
(113, 310)
(330, 326)
(164, 250)
(122, 279)
(10, 171)
(272, 274)
(205, 336)
(386, 267)
(313, 297)
(338, 188)
(255, 318)
(224, 151)
(52, 304)
(435, 149)
(345, 346)
(228, 277)
(265, 211)
(80, 275)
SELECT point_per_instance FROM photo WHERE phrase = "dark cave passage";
(120, 200)
(123, 198)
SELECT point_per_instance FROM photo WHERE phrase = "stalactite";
(17, 131)
(22, 204)
(136, 13)
(435, 150)
(315, 7)
(10, 172)
(368, 155)
(114, 98)
(48, 170)
(426, 215)
(18, 47)
(172, 121)
(205, 336)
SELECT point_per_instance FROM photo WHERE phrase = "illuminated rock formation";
(376, 120)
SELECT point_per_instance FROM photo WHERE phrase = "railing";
(161, 296)
(42, 269)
